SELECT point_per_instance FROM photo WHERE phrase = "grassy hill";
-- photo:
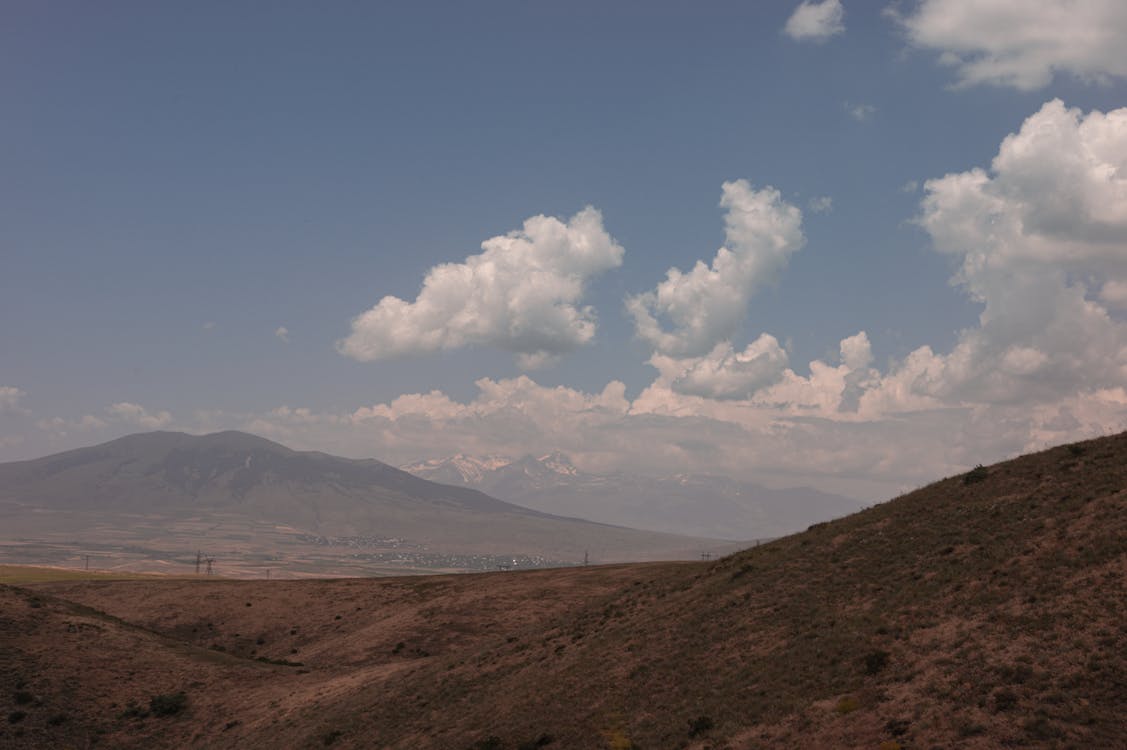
(986, 610)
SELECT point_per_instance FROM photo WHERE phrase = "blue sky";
(179, 182)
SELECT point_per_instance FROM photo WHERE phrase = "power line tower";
(209, 561)
(199, 559)
(706, 555)
(586, 558)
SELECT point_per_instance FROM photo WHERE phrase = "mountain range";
(693, 504)
(245, 497)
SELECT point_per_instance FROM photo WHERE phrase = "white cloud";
(910, 186)
(724, 373)
(209, 325)
(10, 398)
(706, 305)
(1042, 244)
(860, 112)
(821, 205)
(1023, 44)
(521, 294)
(135, 414)
(816, 22)
(282, 333)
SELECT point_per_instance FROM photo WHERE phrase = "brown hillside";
(986, 610)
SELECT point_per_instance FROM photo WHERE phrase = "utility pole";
(586, 559)
(88, 562)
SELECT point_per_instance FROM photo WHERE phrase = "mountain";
(698, 505)
(247, 495)
(987, 610)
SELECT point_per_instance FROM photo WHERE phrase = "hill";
(986, 610)
(695, 504)
(259, 505)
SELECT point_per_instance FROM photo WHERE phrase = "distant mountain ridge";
(694, 504)
(253, 489)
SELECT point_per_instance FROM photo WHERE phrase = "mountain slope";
(685, 503)
(986, 610)
(248, 490)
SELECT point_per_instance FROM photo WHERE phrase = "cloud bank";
(521, 294)
(1040, 241)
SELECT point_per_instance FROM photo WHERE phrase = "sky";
(852, 245)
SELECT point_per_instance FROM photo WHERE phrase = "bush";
(542, 741)
(168, 704)
(1004, 700)
(330, 737)
(699, 726)
(847, 705)
(492, 742)
(975, 475)
(23, 697)
(16, 717)
(876, 661)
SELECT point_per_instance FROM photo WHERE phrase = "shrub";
(23, 697)
(890, 745)
(876, 661)
(492, 742)
(1004, 700)
(847, 705)
(16, 717)
(975, 475)
(699, 726)
(897, 727)
(542, 741)
(168, 704)
(56, 719)
(330, 737)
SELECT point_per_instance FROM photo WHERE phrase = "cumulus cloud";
(521, 294)
(816, 22)
(10, 398)
(706, 305)
(282, 333)
(1023, 45)
(725, 373)
(1041, 240)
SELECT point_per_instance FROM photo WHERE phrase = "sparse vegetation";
(875, 661)
(977, 474)
(700, 726)
(168, 704)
